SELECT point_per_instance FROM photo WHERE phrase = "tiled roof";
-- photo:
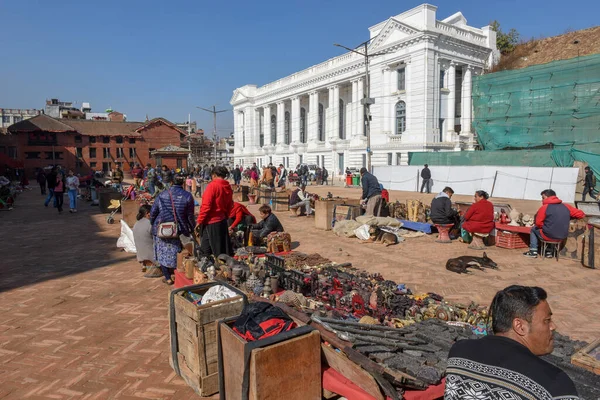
(171, 149)
(40, 123)
(105, 128)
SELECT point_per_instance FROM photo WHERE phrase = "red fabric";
(479, 217)
(181, 280)
(385, 195)
(238, 212)
(338, 383)
(217, 202)
(513, 229)
(137, 172)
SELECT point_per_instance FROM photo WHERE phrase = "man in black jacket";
(589, 184)
(426, 176)
(269, 223)
(442, 212)
(51, 179)
(371, 194)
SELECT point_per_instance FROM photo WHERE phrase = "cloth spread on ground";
(346, 228)
(497, 367)
(378, 221)
(416, 226)
(261, 320)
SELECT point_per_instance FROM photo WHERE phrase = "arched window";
(321, 123)
(286, 128)
(400, 117)
(302, 125)
(342, 127)
(273, 129)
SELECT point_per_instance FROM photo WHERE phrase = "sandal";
(167, 281)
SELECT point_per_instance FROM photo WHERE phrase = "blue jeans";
(150, 187)
(534, 238)
(50, 196)
(72, 199)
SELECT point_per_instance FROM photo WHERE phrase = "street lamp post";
(367, 100)
(214, 112)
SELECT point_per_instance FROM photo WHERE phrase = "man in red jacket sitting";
(551, 222)
(217, 202)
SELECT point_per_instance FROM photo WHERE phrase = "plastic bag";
(126, 240)
(362, 232)
(216, 293)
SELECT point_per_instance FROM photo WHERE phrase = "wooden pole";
(494, 184)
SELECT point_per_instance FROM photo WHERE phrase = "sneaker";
(531, 254)
(549, 254)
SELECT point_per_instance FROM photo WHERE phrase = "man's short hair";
(363, 170)
(548, 193)
(265, 209)
(302, 187)
(448, 190)
(220, 171)
(281, 165)
(587, 168)
(514, 302)
(426, 166)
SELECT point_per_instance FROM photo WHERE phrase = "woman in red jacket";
(217, 202)
(479, 217)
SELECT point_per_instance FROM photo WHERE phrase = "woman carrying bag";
(172, 215)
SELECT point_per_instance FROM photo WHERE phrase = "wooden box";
(343, 212)
(285, 366)
(180, 256)
(237, 197)
(245, 192)
(193, 331)
(324, 211)
(264, 195)
(281, 201)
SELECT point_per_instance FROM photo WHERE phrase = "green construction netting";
(529, 158)
(556, 103)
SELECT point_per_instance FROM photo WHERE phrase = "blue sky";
(163, 58)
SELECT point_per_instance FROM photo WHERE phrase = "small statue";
(504, 218)
(267, 287)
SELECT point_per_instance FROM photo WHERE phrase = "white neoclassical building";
(420, 83)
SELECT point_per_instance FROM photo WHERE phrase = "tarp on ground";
(549, 104)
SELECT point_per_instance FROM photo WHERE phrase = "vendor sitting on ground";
(551, 222)
(479, 217)
(240, 220)
(269, 223)
(442, 212)
(300, 200)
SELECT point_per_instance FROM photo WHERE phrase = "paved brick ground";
(78, 321)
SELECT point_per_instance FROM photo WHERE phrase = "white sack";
(126, 239)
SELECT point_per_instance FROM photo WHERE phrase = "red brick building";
(82, 145)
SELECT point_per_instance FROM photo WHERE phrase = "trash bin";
(356, 180)
(349, 180)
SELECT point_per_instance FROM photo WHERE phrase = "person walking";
(589, 184)
(426, 177)
(51, 180)
(59, 191)
(282, 173)
(254, 177)
(236, 174)
(138, 175)
(167, 176)
(151, 179)
(41, 179)
(73, 189)
(117, 178)
(217, 202)
(172, 205)
(324, 175)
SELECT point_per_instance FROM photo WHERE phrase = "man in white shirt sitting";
(300, 200)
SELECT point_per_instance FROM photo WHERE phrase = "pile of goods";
(407, 335)
(411, 210)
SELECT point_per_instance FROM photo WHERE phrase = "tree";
(505, 42)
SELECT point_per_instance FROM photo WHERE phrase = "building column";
(336, 112)
(267, 124)
(451, 76)
(360, 112)
(280, 122)
(465, 122)
(353, 110)
(388, 74)
(329, 116)
(295, 123)
(255, 142)
(312, 123)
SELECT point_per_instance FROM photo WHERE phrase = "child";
(188, 183)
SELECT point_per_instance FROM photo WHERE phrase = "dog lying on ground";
(377, 235)
(461, 264)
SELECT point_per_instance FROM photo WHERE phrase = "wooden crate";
(343, 212)
(324, 211)
(195, 342)
(288, 369)
(281, 201)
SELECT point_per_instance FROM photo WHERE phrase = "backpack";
(261, 320)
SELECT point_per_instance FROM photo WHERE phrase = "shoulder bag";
(168, 230)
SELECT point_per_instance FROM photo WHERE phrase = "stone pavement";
(78, 320)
